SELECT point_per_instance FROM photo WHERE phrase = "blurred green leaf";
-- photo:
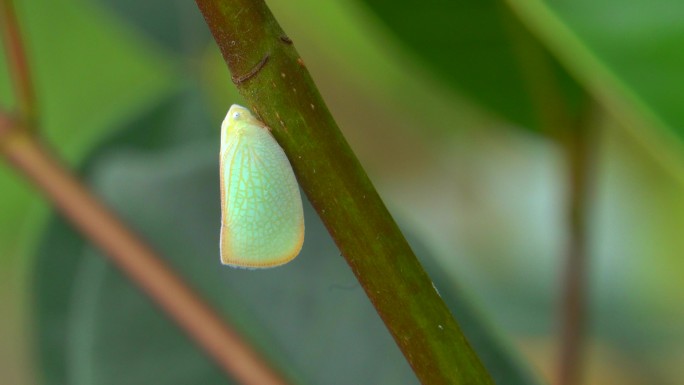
(628, 54)
(89, 74)
(637, 42)
(467, 44)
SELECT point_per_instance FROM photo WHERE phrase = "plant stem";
(283, 95)
(133, 257)
(15, 53)
(578, 150)
(568, 128)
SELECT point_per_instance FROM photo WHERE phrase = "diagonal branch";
(285, 97)
(25, 152)
(237, 359)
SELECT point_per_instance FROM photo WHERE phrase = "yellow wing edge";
(239, 263)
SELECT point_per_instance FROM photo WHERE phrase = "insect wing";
(262, 218)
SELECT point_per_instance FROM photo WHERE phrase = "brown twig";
(579, 150)
(15, 53)
(568, 128)
(133, 256)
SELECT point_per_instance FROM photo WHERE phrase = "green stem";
(284, 96)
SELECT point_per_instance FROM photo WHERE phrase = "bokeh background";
(435, 100)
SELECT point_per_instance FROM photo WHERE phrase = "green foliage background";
(438, 101)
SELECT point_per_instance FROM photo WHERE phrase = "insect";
(262, 221)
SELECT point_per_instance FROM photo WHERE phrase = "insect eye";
(236, 115)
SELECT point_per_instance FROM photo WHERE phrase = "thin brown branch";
(20, 73)
(568, 127)
(133, 257)
(579, 150)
